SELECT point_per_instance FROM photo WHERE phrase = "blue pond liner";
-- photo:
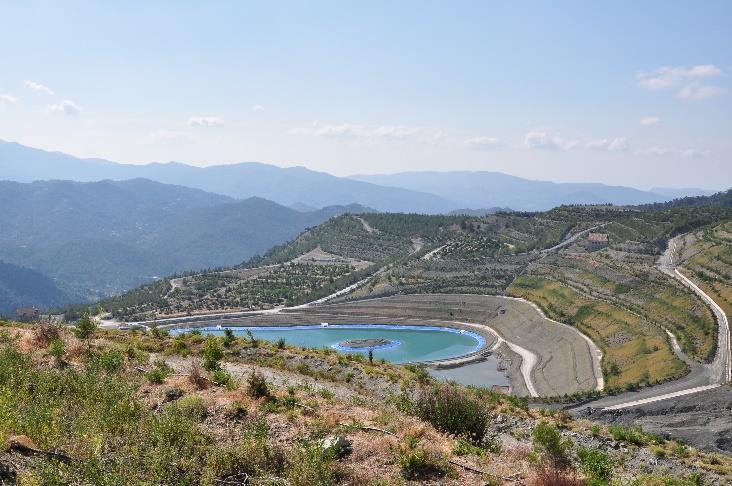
(479, 340)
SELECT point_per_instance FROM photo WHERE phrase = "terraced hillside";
(614, 294)
(708, 260)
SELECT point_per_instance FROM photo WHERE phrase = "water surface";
(412, 343)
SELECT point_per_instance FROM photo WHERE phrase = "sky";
(623, 92)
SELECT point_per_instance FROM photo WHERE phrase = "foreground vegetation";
(109, 408)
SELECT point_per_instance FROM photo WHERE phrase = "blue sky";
(634, 93)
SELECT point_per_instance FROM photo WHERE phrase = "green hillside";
(102, 238)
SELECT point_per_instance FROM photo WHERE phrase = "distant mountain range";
(302, 188)
(494, 189)
(100, 238)
(286, 186)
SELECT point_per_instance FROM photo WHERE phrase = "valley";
(365, 243)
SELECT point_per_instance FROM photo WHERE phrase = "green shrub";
(257, 386)
(229, 338)
(596, 465)
(281, 343)
(310, 465)
(159, 372)
(453, 410)
(112, 360)
(180, 346)
(633, 435)
(85, 327)
(156, 376)
(224, 378)
(553, 451)
(57, 349)
(190, 406)
(212, 353)
(252, 340)
(417, 463)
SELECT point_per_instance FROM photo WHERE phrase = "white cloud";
(7, 99)
(650, 120)
(610, 145)
(697, 91)
(352, 131)
(687, 81)
(544, 141)
(66, 107)
(672, 152)
(205, 121)
(257, 108)
(38, 87)
(669, 77)
(485, 143)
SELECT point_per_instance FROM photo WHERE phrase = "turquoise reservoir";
(406, 343)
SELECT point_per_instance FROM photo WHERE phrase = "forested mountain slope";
(104, 237)
(21, 287)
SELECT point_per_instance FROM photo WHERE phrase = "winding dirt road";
(702, 377)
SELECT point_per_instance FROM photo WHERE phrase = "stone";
(337, 445)
(173, 394)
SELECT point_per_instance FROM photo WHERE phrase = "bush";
(191, 406)
(57, 349)
(229, 338)
(596, 465)
(85, 327)
(552, 450)
(180, 346)
(196, 377)
(310, 465)
(223, 378)
(45, 333)
(156, 376)
(281, 343)
(633, 435)
(212, 353)
(417, 463)
(257, 386)
(159, 373)
(112, 360)
(453, 410)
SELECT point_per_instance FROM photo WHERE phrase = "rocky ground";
(702, 419)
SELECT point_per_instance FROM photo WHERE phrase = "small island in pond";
(365, 343)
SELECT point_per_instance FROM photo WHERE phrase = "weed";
(257, 386)
(417, 463)
(596, 465)
(553, 451)
(453, 410)
(212, 353)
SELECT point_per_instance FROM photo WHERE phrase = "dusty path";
(366, 226)
(571, 239)
(430, 255)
